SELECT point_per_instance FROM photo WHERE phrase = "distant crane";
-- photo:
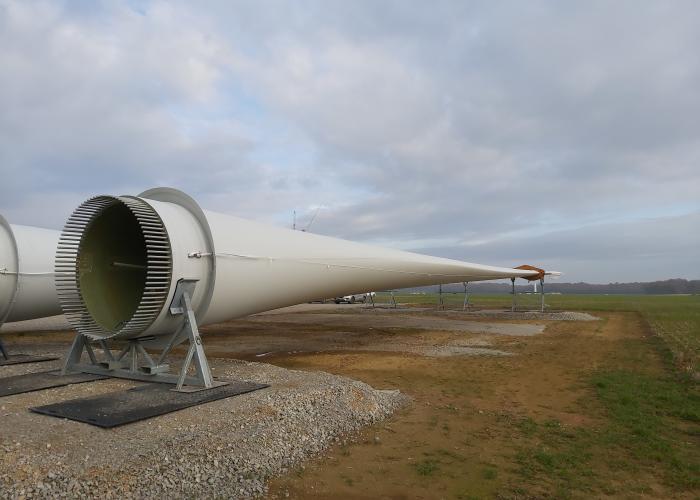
(313, 218)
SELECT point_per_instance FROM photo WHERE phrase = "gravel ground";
(478, 346)
(381, 320)
(224, 449)
(525, 315)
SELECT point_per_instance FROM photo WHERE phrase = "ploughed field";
(600, 402)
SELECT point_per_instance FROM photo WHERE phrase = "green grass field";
(673, 318)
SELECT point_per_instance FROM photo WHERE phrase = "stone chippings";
(525, 315)
(228, 448)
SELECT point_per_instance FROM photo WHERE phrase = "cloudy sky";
(561, 134)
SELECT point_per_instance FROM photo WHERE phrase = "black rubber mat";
(19, 384)
(16, 359)
(139, 403)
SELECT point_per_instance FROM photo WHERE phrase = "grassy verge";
(651, 429)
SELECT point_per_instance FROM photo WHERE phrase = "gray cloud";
(462, 129)
(657, 248)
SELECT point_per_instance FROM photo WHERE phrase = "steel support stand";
(393, 299)
(3, 352)
(441, 302)
(371, 299)
(466, 296)
(134, 363)
(514, 305)
(2, 349)
(541, 294)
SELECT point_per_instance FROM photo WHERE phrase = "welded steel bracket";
(3, 352)
(133, 361)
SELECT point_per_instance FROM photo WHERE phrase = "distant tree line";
(672, 286)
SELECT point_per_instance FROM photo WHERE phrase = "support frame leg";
(466, 296)
(127, 364)
(3, 352)
(541, 294)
